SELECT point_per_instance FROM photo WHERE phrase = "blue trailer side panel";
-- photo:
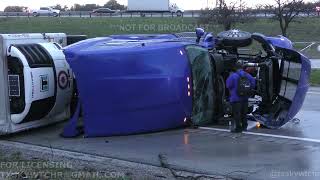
(132, 89)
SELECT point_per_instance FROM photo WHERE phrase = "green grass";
(311, 52)
(315, 77)
(94, 27)
(306, 29)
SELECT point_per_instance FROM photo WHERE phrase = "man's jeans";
(239, 116)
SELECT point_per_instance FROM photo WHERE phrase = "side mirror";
(209, 41)
(200, 32)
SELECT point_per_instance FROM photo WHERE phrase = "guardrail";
(91, 15)
(189, 13)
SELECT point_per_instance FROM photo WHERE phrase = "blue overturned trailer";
(130, 84)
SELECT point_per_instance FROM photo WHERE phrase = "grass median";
(311, 52)
(304, 29)
(315, 78)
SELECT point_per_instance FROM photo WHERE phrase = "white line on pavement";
(309, 46)
(312, 92)
(267, 135)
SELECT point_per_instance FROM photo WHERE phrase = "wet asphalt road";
(242, 156)
(308, 123)
(315, 63)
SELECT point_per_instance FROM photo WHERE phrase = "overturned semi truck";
(131, 84)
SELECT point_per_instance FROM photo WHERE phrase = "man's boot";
(244, 127)
(235, 127)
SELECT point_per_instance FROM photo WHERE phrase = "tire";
(142, 15)
(35, 14)
(235, 38)
(179, 13)
(55, 14)
(221, 89)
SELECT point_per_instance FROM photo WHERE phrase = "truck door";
(295, 70)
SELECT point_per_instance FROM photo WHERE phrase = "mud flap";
(295, 72)
(71, 130)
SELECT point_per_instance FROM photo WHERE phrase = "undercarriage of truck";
(276, 70)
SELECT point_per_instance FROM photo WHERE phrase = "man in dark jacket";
(239, 102)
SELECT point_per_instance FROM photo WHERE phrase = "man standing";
(241, 86)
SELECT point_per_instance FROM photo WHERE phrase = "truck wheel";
(55, 14)
(35, 14)
(142, 15)
(235, 38)
(179, 13)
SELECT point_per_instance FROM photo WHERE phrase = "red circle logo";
(63, 80)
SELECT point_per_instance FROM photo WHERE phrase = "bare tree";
(114, 5)
(226, 14)
(65, 8)
(258, 9)
(223, 14)
(286, 11)
(309, 8)
(268, 9)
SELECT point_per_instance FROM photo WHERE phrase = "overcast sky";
(186, 4)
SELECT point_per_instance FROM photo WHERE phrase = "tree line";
(226, 14)
(112, 4)
(283, 11)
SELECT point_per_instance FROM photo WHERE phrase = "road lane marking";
(309, 46)
(312, 92)
(266, 135)
(214, 129)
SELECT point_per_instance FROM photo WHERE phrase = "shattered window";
(295, 71)
(290, 79)
(202, 77)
